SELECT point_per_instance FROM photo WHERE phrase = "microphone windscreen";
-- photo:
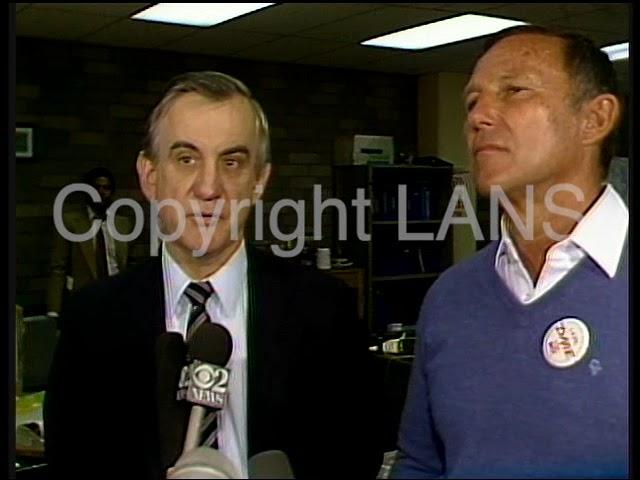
(173, 415)
(203, 463)
(171, 349)
(270, 464)
(211, 343)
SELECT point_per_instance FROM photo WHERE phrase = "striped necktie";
(209, 430)
(198, 294)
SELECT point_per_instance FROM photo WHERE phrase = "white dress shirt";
(112, 262)
(228, 307)
(600, 234)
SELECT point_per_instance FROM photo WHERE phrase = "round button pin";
(565, 342)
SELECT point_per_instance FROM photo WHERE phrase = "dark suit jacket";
(78, 259)
(308, 389)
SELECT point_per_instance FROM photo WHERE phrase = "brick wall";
(88, 105)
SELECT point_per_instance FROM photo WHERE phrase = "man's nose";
(483, 113)
(207, 184)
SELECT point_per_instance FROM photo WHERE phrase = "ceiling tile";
(614, 8)
(456, 7)
(138, 34)
(288, 18)
(219, 41)
(599, 38)
(617, 21)
(315, 34)
(58, 24)
(121, 10)
(406, 64)
(288, 49)
(458, 58)
(541, 12)
(353, 56)
(370, 24)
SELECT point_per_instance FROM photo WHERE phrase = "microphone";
(204, 384)
(203, 463)
(204, 381)
(270, 464)
(171, 353)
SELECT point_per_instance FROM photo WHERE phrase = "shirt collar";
(601, 233)
(91, 213)
(506, 248)
(226, 282)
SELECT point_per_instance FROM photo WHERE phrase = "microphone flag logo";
(204, 384)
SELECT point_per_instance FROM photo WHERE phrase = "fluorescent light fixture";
(617, 52)
(442, 32)
(197, 14)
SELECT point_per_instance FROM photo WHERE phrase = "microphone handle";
(192, 438)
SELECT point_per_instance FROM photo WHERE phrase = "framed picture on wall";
(24, 142)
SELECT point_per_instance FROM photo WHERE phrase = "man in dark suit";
(299, 375)
(75, 264)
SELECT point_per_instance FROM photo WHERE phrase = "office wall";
(440, 121)
(88, 104)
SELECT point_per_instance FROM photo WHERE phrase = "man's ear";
(263, 178)
(601, 116)
(146, 175)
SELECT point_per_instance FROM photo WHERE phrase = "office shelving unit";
(398, 272)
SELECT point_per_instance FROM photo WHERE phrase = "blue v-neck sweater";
(483, 401)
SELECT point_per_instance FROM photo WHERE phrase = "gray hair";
(215, 86)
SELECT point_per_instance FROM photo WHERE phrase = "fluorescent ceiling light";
(617, 52)
(197, 14)
(442, 32)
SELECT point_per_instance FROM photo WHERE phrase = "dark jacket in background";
(77, 260)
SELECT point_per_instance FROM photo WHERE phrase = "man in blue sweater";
(521, 365)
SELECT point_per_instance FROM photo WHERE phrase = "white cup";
(323, 259)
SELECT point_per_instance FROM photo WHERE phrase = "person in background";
(521, 366)
(75, 264)
(290, 388)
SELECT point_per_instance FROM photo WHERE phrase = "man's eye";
(515, 89)
(470, 103)
(185, 159)
(232, 162)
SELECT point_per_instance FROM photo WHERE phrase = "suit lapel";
(83, 225)
(146, 322)
(121, 247)
(87, 247)
(266, 311)
(151, 307)
(170, 416)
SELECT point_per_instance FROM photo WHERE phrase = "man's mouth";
(488, 148)
(205, 217)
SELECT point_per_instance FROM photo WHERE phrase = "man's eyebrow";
(236, 149)
(227, 151)
(182, 144)
(468, 89)
(473, 87)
